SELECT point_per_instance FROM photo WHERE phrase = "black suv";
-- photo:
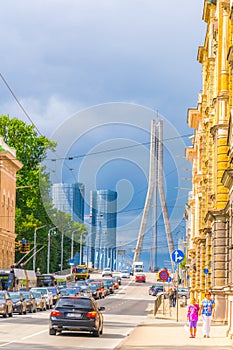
(76, 313)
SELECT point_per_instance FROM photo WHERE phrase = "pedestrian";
(174, 292)
(207, 311)
(170, 296)
(192, 316)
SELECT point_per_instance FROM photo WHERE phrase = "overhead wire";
(28, 116)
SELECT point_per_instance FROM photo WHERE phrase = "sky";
(91, 74)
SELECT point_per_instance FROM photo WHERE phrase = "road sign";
(71, 262)
(177, 256)
(206, 271)
(163, 275)
(169, 279)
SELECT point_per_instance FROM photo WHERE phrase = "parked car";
(124, 274)
(55, 293)
(30, 301)
(118, 279)
(115, 283)
(47, 294)
(155, 289)
(107, 272)
(81, 283)
(40, 301)
(94, 290)
(140, 277)
(78, 313)
(100, 286)
(71, 291)
(6, 304)
(19, 303)
(85, 290)
(183, 293)
(108, 285)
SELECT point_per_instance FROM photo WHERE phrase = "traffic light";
(24, 246)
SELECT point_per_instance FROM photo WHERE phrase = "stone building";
(209, 245)
(9, 166)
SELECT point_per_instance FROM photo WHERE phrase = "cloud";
(92, 51)
(46, 115)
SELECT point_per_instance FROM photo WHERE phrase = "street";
(125, 309)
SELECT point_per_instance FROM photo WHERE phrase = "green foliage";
(33, 205)
(183, 263)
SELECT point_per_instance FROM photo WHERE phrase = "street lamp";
(34, 250)
(80, 248)
(62, 243)
(48, 259)
(72, 243)
(100, 237)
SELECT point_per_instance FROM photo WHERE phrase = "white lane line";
(34, 334)
(5, 344)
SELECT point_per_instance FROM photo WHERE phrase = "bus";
(46, 280)
(51, 280)
(15, 279)
(81, 272)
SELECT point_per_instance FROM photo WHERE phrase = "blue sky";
(70, 62)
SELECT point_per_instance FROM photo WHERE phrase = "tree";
(33, 204)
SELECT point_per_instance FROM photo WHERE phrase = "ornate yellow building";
(9, 165)
(209, 245)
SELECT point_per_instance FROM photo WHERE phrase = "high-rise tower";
(70, 199)
(102, 240)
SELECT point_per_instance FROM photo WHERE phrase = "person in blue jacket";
(207, 311)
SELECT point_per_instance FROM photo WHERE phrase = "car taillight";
(91, 314)
(55, 313)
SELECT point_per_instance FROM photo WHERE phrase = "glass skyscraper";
(70, 199)
(102, 240)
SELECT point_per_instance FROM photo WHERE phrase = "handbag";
(186, 327)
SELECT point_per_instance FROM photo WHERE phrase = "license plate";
(72, 314)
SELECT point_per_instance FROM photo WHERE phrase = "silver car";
(46, 293)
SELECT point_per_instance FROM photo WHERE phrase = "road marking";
(34, 334)
(10, 342)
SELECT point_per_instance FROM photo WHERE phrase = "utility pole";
(62, 250)
(48, 258)
(34, 251)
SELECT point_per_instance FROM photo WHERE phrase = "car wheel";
(96, 333)
(52, 331)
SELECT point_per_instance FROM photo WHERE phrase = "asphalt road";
(124, 310)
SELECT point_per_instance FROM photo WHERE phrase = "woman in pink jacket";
(192, 316)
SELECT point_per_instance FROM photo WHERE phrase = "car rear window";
(76, 302)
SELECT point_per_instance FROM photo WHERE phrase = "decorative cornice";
(227, 178)
(215, 128)
(214, 215)
(207, 231)
(230, 56)
(193, 117)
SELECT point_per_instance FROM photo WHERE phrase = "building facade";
(210, 239)
(102, 239)
(69, 198)
(9, 166)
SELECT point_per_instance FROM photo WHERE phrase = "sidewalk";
(163, 332)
